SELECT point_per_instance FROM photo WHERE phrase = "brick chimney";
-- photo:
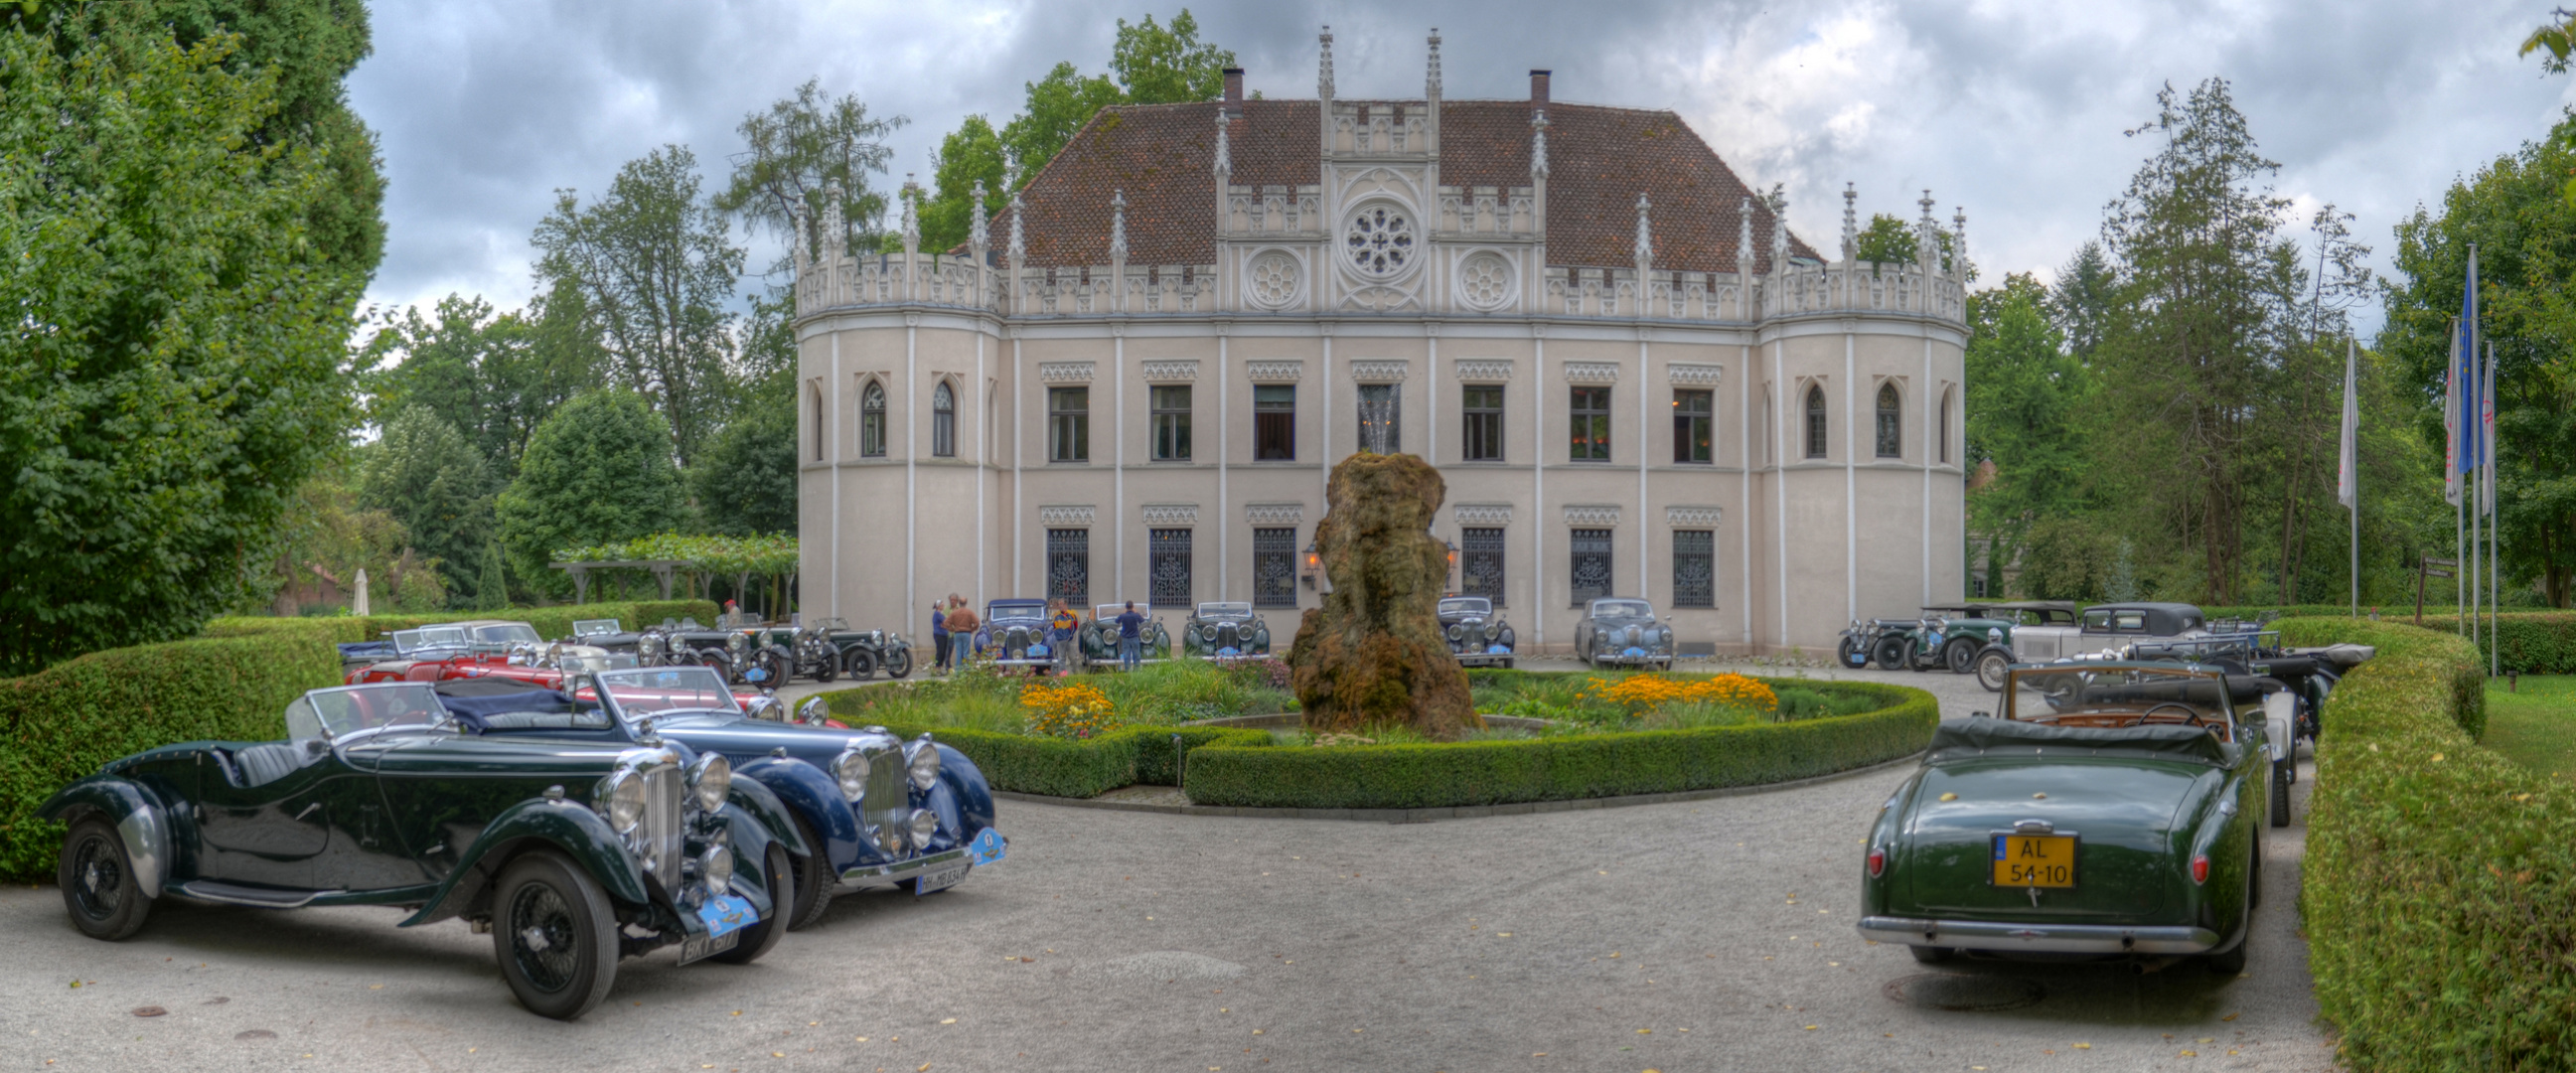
(1234, 91)
(1538, 88)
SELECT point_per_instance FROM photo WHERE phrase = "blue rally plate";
(987, 847)
(756, 674)
(1229, 651)
(1633, 652)
(1497, 650)
(727, 913)
(1037, 650)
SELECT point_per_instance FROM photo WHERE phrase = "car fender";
(765, 808)
(748, 836)
(812, 794)
(141, 822)
(971, 795)
(582, 834)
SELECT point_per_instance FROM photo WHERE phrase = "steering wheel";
(2189, 716)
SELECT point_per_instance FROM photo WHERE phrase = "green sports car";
(2114, 809)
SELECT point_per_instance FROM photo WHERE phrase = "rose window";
(1485, 282)
(1380, 242)
(1274, 280)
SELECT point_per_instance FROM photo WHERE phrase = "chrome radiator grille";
(886, 803)
(657, 836)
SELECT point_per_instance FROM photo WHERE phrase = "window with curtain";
(1815, 422)
(1482, 406)
(1068, 424)
(1171, 406)
(1694, 426)
(872, 420)
(1274, 422)
(1588, 421)
(943, 421)
(1891, 423)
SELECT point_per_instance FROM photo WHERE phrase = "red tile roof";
(1599, 159)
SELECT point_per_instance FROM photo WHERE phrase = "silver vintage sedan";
(1619, 631)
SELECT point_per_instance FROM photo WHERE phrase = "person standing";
(962, 624)
(1060, 639)
(1129, 642)
(939, 635)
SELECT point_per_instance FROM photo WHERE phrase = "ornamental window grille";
(1068, 565)
(1379, 242)
(1381, 418)
(1590, 576)
(943, 421)
(1167, 553)
(1588, 418)
(1815, 422)
(1483, 409)
(1694, 568)
(1171, 423)
(872, 421)
(1274, 422)
(1694, 426)
(1891, 423)
(1068, 424)
(1274, 567)
(1480, 563)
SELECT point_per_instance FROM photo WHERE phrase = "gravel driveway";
(1702, 935)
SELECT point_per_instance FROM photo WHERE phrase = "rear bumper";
(2038, 937)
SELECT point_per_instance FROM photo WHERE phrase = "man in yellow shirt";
(1060, 630)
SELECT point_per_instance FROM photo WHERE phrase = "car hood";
(741, 739)
(511, 756)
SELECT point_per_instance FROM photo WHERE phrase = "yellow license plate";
(2034, 860)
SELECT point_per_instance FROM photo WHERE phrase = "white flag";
(2347, 475)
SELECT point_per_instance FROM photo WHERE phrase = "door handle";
(308, 810)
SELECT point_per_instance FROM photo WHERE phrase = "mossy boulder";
(1373, 655)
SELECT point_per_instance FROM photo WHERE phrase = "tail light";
(1877, 860)
(2200, 868)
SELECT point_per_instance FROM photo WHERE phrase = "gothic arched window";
(1815, 421)
(872, 421)
(814, 404)
(943, 421)
(1891, 423)
(1946, 396)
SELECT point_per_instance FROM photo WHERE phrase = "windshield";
(646, 691)
(593, 627)
(594, 662)
(425, 638)
(507, 633)
(1017, 611)
(1622, 609)
(1465, 606)
(1228, 612)
(335, 713)
(2117, 696)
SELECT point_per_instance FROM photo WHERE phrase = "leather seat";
(268, 762)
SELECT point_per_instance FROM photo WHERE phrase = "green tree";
(598, 471)
(746, 482)
(658, 270)
(2525, 235)
(492, 588)
(326, 536)
(492, 377)
(434, 481)
(2081, 301)
(175, 367)
(808, 153)
(971, 154)
(1154, 65)
(309, 46)
(2027, 413)
(1058, 106)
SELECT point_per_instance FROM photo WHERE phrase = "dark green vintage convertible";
(2115, 809)
(570, 855)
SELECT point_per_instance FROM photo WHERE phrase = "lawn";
(2535, 726)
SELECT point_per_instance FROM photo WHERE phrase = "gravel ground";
(1720, 929)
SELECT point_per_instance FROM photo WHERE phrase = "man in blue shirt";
(1128, 642)
(939, 636)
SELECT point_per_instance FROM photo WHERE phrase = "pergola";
(661, 569)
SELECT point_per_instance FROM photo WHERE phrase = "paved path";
(1702, 935)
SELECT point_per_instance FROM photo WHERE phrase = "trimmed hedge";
(2439, 890)
(550, 622)
(66, 721)
(1241, 767)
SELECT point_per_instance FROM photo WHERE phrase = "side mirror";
(814, 712)
(1981, 715)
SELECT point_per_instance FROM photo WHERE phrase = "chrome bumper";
(2052, 938)
(888, 873)
(1469, 659)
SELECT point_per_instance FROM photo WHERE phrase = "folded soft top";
(1962, 738)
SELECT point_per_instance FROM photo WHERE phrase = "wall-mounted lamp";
(1314, 564)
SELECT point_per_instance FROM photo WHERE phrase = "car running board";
(258, 897)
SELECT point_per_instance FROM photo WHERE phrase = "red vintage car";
(509, 651)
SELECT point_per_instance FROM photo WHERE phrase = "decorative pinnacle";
(1779, 200)
(1645, 233)
(830, 237)
(1118, 224)
(1851, 222)
(1324, 70)
(1432, 84)
(1744, 235)
(977, 230)
(1019, 214)
(1538, 143)
(1224, 152)
(911, 205)
(1959, 237)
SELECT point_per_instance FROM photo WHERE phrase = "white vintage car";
(2142, 630)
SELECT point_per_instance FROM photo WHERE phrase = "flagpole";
(2495, 522)
(2352, 447)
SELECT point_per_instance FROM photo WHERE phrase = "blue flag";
(2469, 444)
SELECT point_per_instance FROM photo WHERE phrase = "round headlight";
(738, 641)
(923, 764)
(852, 771)
(1207, 633)
(716, 867)
(651, 642)
(713, 782)
(1493, 630)
(620, 798)
(1457, 631)
(924, 824)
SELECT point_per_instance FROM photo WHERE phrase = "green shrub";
(2439, 889)
(63, 723)
(550, 622)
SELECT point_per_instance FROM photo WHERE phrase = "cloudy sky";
(2014, 110)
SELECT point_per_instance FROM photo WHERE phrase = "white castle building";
(1635, 381)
